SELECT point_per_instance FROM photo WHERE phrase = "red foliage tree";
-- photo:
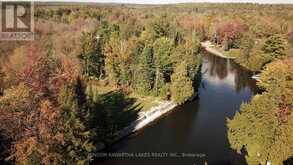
(230, 30)
(30, 113)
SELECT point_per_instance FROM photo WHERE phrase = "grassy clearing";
(119, 107)
(139, 102)
(145, 102)
(231, 53)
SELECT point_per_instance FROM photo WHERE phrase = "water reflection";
(219, 71)
(197, 127)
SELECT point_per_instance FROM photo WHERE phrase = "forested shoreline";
(92, 68)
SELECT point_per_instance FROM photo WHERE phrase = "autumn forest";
(92, 69)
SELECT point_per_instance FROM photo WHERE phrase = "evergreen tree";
(92, 54)
(162, 27)
(179, 38)
(246, 45)
(112, 50)
(275, 47)
(119, 58)
(181, 84)
(144, 72)
(78, 145)
(257, 60)
(163, 48)
(189, 52)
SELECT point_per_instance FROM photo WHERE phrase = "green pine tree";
(92, 54)
(275, 47)
(181, 84)
(246, 45)
(144, 73)
(163, 48)
(79, 145)
(162, 27)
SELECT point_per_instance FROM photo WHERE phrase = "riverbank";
(209, 47)
(144, 119)
(194, 125)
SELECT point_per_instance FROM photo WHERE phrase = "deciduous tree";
(268, 135)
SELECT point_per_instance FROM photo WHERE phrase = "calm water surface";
(198, 127)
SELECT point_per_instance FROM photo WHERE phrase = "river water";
(195, 132)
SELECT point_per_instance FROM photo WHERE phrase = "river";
(196, 131)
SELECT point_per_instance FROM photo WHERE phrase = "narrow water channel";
(197, 128)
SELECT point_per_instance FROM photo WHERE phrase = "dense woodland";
(66, 93)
